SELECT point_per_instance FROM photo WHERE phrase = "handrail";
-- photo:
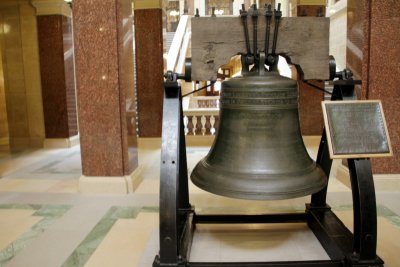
(179, 44)
(180, 65)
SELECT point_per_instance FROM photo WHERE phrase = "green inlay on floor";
(50, 214)
(87, 247)
(55, 166)
(381, 211)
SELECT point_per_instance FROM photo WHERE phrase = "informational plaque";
(356, 129)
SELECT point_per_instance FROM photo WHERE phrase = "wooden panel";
(305, 40)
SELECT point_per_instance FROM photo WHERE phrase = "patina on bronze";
(259, 152)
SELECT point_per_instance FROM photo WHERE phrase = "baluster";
(208, 125)
(216, 123)
(203, 125)
(186, 124)
(212, 122)
(194, 121)
(190, 125)
(199, 126)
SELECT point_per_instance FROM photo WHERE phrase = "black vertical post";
(364, 208)
(323, 159)
(174, 196)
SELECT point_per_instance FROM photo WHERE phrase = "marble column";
(380, 67)
(149, 65)
(21, 75)
(103, 42)
(57, 72)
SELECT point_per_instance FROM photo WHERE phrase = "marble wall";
(381, 70)
(104, 79)
(4, 136)
(57, 75)
(127, 82)
(372, 53)
(150, 68)
(21, 74)
(69, 70)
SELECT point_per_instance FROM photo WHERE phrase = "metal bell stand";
(178, 218)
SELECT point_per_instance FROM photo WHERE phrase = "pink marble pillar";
(57, 76)
(381, 69)
(149, 68)
(106, 105)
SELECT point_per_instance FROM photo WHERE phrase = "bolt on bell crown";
(258, 152)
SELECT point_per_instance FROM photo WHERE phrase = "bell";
(259, 152)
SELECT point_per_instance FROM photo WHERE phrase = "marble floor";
(46, 222)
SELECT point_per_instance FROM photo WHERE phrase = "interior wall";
(22, 75)
(4, 140)
(381, 71)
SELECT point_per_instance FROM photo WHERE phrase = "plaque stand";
(178, 218)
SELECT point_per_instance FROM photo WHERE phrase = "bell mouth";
(259, 186)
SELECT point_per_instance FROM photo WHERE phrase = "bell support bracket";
(359, 247)
(175, 211)
(178, 218)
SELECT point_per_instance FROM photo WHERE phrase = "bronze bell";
(259, 152)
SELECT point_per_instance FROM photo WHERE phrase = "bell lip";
(225, 191)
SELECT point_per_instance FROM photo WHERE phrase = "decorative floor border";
(382, 211)
(50, 214)
(87, 247)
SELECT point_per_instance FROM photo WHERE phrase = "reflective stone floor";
(45, 221)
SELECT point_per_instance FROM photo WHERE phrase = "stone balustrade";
(201, 115)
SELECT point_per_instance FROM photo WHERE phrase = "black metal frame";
(178, 218)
